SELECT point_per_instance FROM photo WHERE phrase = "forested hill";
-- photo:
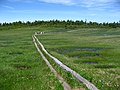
(60, 23)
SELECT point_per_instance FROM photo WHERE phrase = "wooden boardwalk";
(62, 81)
(88, 84)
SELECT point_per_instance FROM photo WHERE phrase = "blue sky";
(31, 10)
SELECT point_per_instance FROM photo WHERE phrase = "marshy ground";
(93, 53)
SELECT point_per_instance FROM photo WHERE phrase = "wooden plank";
(88, 84)
(62, 81)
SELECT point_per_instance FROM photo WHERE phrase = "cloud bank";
(66, 2)
(8, 7)
(85, 3)
(94, 4)
(82, 3)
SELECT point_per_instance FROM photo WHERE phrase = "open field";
(21, 67)
(94, 53)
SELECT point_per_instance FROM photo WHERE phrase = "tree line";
(61, 23)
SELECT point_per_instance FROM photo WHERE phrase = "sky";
(31, 10)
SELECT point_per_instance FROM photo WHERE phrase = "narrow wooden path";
(88, 84)
(62, 81)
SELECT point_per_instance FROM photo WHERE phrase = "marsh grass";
(21, 67)
(68, 77)
(94, 53)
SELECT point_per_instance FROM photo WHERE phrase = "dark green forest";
(60, 23)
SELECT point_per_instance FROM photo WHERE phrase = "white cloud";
(93, 14)
(41, 11)
(100, 4)
(14, 0)
(25, 1)
(84, 3)
(66, 2)
(95, 3)
(8, 7)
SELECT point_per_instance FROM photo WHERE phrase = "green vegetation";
(21, 67)
(94, 53)
(91, 51)
(71, 80)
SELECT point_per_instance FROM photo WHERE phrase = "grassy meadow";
(93, 53)
(21, 66)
